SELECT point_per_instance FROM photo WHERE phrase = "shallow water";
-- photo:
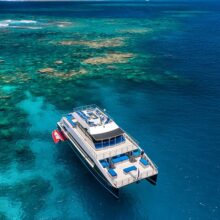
(153, 66)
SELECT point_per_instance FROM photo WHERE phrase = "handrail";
(131, 179)
(131, 139)
(151, 161)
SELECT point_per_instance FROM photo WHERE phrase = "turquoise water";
(153, 66)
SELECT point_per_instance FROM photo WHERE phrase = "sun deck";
(127, 172)
(132, 176)
(97, 123)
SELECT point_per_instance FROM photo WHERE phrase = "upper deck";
(97, 123)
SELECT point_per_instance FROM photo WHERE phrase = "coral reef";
(110, 58)
(100, 43)
(30, 193)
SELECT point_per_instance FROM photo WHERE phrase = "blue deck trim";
(112, 172)
(104, 163)
(120, 159)
(69, 119)
(136, 153)
(144, 162)
(82, 115)
(129, 169)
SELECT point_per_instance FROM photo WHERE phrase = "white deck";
(123, 178)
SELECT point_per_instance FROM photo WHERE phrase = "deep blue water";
(176, 120)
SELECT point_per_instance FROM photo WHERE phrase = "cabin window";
(109, 142)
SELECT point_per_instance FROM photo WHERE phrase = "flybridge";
(97, 123)
(92, 115)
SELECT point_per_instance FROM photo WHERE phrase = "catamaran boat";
(112, 156)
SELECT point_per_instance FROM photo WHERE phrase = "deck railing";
(131, 139)
(134, 178)
(123, 182)
(151, 162)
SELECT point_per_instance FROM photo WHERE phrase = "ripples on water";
(152, 66)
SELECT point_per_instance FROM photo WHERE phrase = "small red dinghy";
(58, 136)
